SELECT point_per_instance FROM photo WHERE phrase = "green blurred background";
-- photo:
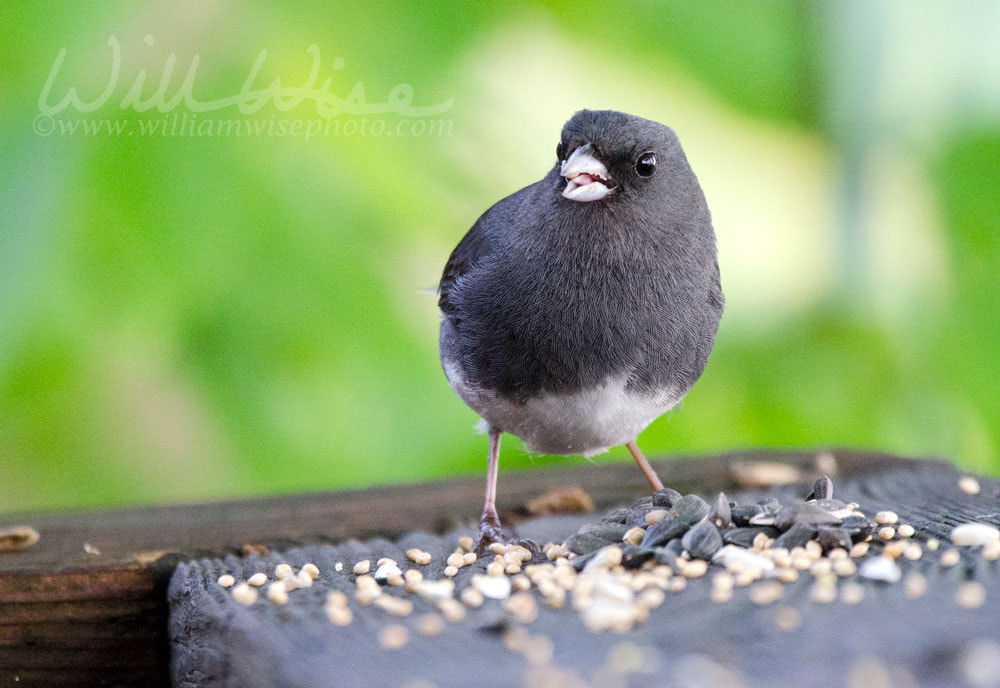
(192, 317)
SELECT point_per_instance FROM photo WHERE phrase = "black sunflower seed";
(796, 536)
(806, 513)
(742, 513)
(633, 557)
(665, 498)
(720, 514)
(702, 541)
(822, 489)
(830, 538)
(619, 515)
(581, 543)
(743, 537)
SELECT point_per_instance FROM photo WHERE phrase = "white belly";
(587, 422)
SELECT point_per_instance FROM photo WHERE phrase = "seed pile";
(614, 573)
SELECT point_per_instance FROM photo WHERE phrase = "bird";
(582, 307)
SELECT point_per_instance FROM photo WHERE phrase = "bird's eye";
(645, 166)
(561, 150)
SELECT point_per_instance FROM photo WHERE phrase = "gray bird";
(584, 306)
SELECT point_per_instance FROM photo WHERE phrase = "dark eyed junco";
(581, 308)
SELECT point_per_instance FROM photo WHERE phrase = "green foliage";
(189, 318)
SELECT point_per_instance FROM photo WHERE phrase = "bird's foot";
(491, 532)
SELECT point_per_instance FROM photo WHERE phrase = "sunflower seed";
(663, 531)
(831, 538)
(619, 515)
(702, 541)
(665, 497)
(822, 489)
(742, 513)
(720, 513)
(744, 537)
(583, 544)
(796, 536)
(805, 513)
(634, 557)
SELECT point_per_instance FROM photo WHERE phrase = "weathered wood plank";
(123, 587)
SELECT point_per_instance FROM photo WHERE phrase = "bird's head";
(604, 154)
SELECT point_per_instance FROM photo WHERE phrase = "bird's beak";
(587, 178)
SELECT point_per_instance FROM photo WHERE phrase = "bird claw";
(490, 532)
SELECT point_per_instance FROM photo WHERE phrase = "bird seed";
(244, 594)
(226, 581)
(394, 637)
(362, 567)
(886, 518)
(968, 485)
(257, 579)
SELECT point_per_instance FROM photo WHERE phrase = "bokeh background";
(194, 317)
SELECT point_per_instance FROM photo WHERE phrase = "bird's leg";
(647, 470)
(489, 524)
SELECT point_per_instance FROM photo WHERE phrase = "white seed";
(823, 592)
(450, 571)
(606, 558)
(418, 556)
(512, 569)
(257, 579)
(886, 518)
(497, 548)
(655, 516)
(970, 594)
(393, 637)
(695, 568)
(633, 536)
(913, 552)
(880, 568)
(852, 593)
(914, 585)
(451, 609)
(336, 597)
(226, 581)
(397, 606)
(495, 569)
(456, 559)
(362, 567)
(386, 560)
(859, 550)
(430, 624)
(338, 615)
(968, 485)
(950, 557)
(277, 593)
(906, 530)
(766, 593)
(282, 571)
(435, 589)
(787, 619)
(387, 569)
(521, 583)
(466, 543)
(310, 569)
(991, 550)
(844, 567)
(973, 534)
(887, 533)
(471, 597)
(494, 587)
(933, 544)
(788, 575)
(730, 556)
(244, 594)
(303, 580)
(522, 607)
(338, 567)
(469, 559)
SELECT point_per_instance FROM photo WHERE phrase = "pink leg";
(489, 524)
(647, 470)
